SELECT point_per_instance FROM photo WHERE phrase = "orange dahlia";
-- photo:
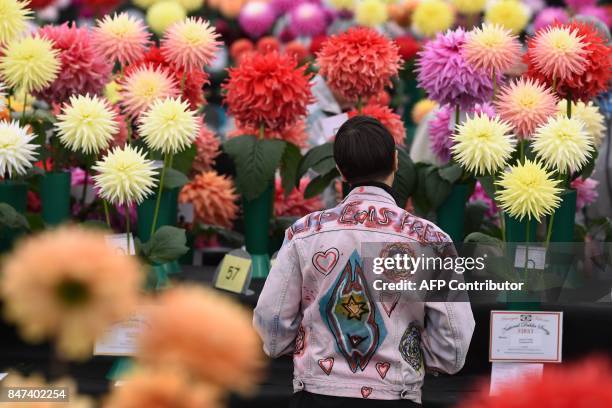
(295, 204)
(205, 335)
(268, 90)
(207, 149)
(68, 284)
(391, 120)
(359, 63)
(594, 74)
(213, 198)
(162, 389)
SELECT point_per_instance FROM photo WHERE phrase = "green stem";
(522, 151)
(569, 107)
(126, 209)
(457, 115)
(23, 112)
(494, 79)
(500, 213)
(106, 213)
(359, 105)
(183, 79)
(262, 131)
(159, 193)
(527, 247)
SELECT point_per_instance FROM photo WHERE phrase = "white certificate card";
(526, 336)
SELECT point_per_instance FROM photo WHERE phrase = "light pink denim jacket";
(345, 342)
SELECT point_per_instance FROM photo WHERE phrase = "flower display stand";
(55, 197)
(15, 194)
(451, 213)
(257, 213)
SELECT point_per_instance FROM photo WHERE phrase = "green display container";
(168, 209)
(516, 231)
(15, 194)
(257, 213)
(564, 219)
(450, 214)
(55, 197)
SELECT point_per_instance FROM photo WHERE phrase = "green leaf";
(174, 179)
(488, 185)
(436, 189)
(256, 161)
(320, 183)
(480, 238)
(166, 245)
(405, 179)
(184, 160)
(589, 167)
(451, 173)
(317, 159)
(289, 167)
(10, 218)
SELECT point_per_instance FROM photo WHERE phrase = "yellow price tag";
(233, 273)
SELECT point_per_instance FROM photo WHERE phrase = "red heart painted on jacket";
(382, 369)
(325, 261)
(326, 364)
(366, 391)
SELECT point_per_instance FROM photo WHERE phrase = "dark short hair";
(364, 150)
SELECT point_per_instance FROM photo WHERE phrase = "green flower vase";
(257, 213)
(55, 197)
(168, 209)
(15, 194)
(450, 215)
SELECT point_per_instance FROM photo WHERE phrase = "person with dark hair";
(353, 345)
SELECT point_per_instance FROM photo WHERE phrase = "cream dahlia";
(17, 152)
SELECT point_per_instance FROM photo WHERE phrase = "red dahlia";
(359, 63)
(389, 119)
(268, 89)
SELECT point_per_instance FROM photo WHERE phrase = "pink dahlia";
(359, 63)
(549, 16)
(586, 191)
(143, 85)
(557, 52)
(207, 149)
(577, 5)
(595, 69)
(190, 44)
(295, 204)
(268, 90)
(526, 104)
(268, 44)
(121, 38)
(602, 14)
(492, 49)
(480, 194)
(389, 119)
(83, 70)
(256, 18)
(447, 77)
(307, 19)
(440, 132)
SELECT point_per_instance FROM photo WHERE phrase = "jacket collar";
(371, 191)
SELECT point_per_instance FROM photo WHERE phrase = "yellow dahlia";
(141, 87)
(70, 285)
(163, 14)
(559, 53)
(469, 6)
(482, 144)
(563, 144)
(125, 176)
(370, 13)
(17, 152)
(30, 63)
(432, 16)
(86, 124)
(528, 190)
(169, 126)
(590, 115)
(421, 109)
(13, 19)
(492, 48)
(511, 14)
